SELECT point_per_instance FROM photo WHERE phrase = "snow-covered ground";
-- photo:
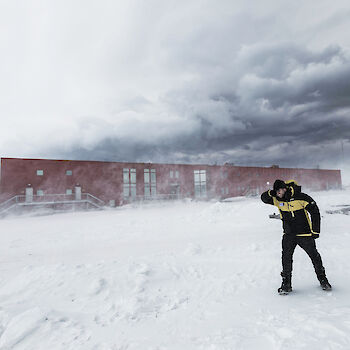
(185, 275)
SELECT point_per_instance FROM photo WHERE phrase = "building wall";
(105, 179)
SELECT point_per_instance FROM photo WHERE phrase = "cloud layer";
(176, 81)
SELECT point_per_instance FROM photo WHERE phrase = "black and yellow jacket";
(294, 208)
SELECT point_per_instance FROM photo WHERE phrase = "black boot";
(324, 282)
(286, 286)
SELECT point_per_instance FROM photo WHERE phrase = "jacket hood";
(294, 187)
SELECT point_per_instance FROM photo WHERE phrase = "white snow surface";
(166, 276)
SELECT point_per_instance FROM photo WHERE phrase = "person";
(294, 207)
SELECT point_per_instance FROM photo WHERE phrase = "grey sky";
(249, 82)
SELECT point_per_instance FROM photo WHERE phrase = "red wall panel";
(105, 179)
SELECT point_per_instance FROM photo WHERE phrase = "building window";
(224, 190)
(39, 192)
(129, 183)
(150, 181)
(40, 172)
(69, 191)
(69, 172)
(224, 174)
(174, 174)
(200, 183)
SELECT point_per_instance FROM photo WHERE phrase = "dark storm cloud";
(284, 103)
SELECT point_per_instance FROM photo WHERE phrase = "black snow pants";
(289, 242)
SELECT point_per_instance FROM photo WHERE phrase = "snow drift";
(196, 275)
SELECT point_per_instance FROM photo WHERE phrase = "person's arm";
(266, 197)
(312, 208)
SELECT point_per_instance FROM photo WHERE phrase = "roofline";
(109, 161)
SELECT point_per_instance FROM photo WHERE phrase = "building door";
(77, 193)
(29, 194)
(174, 190)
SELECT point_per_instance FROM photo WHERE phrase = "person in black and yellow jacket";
(295, 209)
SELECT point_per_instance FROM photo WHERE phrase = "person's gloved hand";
(315, 235)
(272, 193)
(288, 194)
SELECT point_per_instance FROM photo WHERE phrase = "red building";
(116, 183)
